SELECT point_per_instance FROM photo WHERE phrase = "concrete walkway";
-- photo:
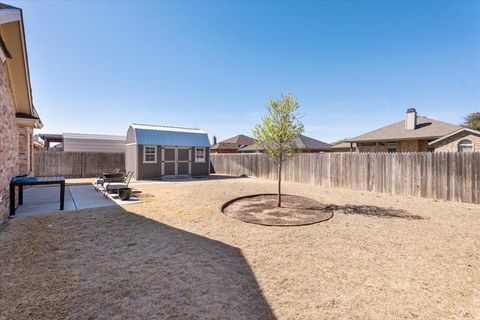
(46, 199)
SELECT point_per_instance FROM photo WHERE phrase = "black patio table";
(60, 180)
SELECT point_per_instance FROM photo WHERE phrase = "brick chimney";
(214, 140)
(411, 119)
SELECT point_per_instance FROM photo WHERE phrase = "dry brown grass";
(177, 256)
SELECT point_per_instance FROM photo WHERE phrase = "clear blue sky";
(96, 67)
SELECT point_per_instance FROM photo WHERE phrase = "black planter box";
(125, 193)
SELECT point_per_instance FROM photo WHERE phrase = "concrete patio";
(46, 199)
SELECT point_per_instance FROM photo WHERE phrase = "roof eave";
(393, 139)
(10, 15)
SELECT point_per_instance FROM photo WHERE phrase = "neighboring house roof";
(476, 132)
(304, 142)
(54, 136)
(234, 143)
(301, 142)
(226, 146)
(340, 145)
(240, 139)
(426, 129)
(170, 136)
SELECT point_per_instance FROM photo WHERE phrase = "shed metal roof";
(170, 136)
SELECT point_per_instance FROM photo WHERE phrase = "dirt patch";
(262, 209)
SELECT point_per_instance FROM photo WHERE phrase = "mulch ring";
(262, 209)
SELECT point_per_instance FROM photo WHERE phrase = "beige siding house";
(414, 134)
(83, 142)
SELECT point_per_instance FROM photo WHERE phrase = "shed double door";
(176, 161)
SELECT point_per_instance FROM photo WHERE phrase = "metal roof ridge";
(165, 128)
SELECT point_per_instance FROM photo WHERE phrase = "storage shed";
(154, 151)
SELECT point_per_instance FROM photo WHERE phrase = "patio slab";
(43, 199)
(46, 199)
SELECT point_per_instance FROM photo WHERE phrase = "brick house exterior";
(18, 116)
(9, 154)
(452, 142)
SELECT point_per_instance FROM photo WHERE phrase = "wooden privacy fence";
(76, 164)
(450, 176)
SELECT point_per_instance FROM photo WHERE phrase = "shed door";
(184, 161)
(168, 161)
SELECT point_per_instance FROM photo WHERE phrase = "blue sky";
(96, 67)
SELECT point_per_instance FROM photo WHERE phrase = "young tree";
(277, 132)
(472, 121)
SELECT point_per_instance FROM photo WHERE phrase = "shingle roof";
(304, 142)
(301, 142)
(228, 146)
(234, 143)
(426, 129)
(340, 145)
(170, 136)
(240, 139)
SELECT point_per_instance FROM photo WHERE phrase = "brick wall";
(25, 150)
(9, 162)
(402, 146)
(412, 146)
(451, 143)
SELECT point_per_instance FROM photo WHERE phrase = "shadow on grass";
(374, 211)
(111, 263)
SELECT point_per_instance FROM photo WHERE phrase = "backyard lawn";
(177, 256)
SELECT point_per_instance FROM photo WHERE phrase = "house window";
(199, 155)
(149, 154)
(392, 147)
(465, 146)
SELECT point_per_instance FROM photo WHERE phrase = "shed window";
(199, 155)
(465, 146)
(149, 154)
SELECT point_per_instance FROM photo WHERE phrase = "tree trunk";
(279, 204)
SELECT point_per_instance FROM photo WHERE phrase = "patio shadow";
(111, 263)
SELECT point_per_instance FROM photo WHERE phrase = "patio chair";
(115, 176)
(115, 186)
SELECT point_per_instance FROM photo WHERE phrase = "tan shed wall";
(131, 159)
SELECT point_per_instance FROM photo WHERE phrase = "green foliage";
(277, 132)
(472, 121)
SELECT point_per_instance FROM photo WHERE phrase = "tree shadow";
(374, 211)
(112, 263)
